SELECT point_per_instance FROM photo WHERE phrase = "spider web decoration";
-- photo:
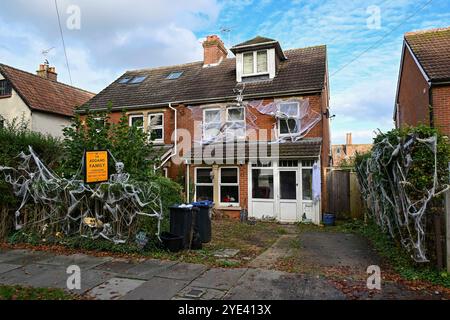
(396, 205)
(109, 210)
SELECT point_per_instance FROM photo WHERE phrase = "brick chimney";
(349, 139)
(47, 72)
(214, 51)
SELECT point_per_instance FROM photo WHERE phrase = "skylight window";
(174, 75)
(124, 80)
(137, 79)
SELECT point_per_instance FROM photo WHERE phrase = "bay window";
(229, 186)
(204, 185)
(156, 127)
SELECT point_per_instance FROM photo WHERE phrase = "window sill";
(6, 97)
(233, 208)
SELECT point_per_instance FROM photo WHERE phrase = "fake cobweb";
(68, 207)
(395, 203)
(292, 119)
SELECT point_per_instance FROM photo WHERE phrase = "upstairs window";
(289, 123)
(156, 127)
(212, 123)
(137, 121)
(235, 122)
(255, 63)
(5, 88)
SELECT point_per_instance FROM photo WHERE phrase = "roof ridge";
(201, 62)
(166, 67)
(411, 33)
(35, 75)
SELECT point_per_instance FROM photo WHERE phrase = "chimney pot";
(214, 50)
(349, 139)
(47, 72)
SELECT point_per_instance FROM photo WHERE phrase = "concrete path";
(113, 279)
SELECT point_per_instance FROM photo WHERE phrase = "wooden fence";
(344, 195)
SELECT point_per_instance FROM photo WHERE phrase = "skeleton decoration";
(391, 202)
(69, 207)
(292, 120)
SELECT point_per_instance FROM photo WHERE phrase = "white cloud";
(115, 36)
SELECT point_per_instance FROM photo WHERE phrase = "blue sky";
(120, 35)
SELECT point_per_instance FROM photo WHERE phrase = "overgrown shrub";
(15, 137)
(397, 180)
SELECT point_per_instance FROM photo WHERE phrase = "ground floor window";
(204, 186)
(262, 184)
(229, 186)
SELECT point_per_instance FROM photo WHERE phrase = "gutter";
(208, 100)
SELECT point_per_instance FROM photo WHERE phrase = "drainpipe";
(430, 104)
(175, 148)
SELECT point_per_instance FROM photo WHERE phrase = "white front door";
(288, 195)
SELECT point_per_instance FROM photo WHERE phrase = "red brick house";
(423, 94)
(249, 132)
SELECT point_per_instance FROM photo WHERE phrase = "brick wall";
(413, 99)
(441, 108)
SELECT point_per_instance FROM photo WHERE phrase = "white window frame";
(166, 172)
(202, 184)
(227, 121)
(204, 120)
(104, 122)
(306, 166)
(134, 116)
(150, 128)
(297, 118)
(229, 204)
(255, 64)
(257, 166)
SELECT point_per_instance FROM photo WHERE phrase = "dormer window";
(255, 63)
(257, 59)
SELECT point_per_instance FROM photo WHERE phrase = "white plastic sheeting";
(316, 182)
(107, 210)
(390, 202)
(293, 119)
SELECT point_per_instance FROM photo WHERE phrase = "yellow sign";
(96, 166)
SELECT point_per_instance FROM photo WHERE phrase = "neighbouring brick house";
(344, 154)
(45, 104)
(423, 94)
(282, 108)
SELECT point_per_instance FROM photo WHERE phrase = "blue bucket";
(329, 219)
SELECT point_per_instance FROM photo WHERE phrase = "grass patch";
(251, 240)
(27, 293)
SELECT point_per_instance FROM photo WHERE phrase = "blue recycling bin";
(203, 221)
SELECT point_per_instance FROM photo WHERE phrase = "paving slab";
(226, 253)
(183, 271)
(114, 288)
(85, 262)
(50, 276)
(148, 269)
(5, 267)
(282, 248)
(219, 278)
(157, 289)
(119, 266)
(260, 284)
(195, 293)
(22, 257)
